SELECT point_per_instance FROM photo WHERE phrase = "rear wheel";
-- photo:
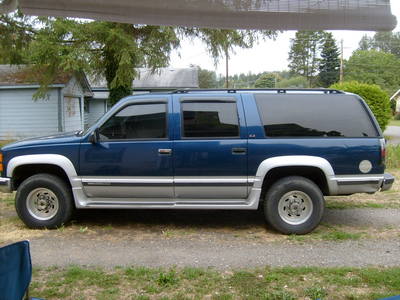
(294, 205)
(44, 201)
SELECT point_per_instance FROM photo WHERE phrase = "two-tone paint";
(194, 173)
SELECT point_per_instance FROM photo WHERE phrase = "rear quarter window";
(317, 115)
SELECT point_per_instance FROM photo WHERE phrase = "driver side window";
(137, 121)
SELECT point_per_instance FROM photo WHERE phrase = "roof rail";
(277, 90)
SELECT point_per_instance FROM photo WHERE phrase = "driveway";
(209, 245)
(394, 133)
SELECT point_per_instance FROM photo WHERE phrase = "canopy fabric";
(233, 14)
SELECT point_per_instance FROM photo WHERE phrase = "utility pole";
(341, 62)
(226, 68)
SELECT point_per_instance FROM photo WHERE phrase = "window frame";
(208, 100)
(364, 106)
(161, 101)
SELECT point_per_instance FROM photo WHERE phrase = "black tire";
(51, 189)
(301, 209)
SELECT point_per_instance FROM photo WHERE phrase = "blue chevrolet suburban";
(282, 150)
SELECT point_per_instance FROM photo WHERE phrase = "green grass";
(5, 142)
(334, 204)
(393, 156)
(327, 232)
(393, 122)
(193, 283)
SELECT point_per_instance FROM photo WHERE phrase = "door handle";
(239, 150)
(165, 151)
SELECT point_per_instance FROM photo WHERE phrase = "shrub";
(377, 99)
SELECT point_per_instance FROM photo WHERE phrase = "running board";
(169, 205)
(82, 201)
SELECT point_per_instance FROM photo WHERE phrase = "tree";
(293, 82)
(382, 41)
(329, 67)
(267, 80)
(374, 67)
(304, 54)
(207, 79)
(108, 49)
(377, 99)
(16, 33)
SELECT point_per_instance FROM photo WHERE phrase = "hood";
(62, 138)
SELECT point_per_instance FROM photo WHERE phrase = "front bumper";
(5, 185)
(388, 180)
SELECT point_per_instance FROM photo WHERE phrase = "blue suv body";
(213, 149)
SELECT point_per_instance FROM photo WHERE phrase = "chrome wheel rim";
(42, 204)
(295, 207)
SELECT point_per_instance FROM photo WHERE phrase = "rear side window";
(209, 119)
(314, 116)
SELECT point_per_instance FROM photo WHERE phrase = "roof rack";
(277, 90)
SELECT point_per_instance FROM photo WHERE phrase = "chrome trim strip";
(358, 182)
(163, 181)
(125, 184)
(211, 184)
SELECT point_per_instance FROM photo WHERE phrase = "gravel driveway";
(225, 250)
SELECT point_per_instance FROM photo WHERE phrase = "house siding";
(21, 116)
(72, 114)
(73, 95)
(97, 109)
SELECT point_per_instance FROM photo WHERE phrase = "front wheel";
(294, 205)
(44, 201)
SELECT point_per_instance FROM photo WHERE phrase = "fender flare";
(48, 159)
(296, 161)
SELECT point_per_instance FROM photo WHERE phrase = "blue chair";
(15, 271)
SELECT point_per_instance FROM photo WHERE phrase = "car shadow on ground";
(176, 218)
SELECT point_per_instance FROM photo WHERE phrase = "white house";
(396, 98)
(61, 110)
(72, 101)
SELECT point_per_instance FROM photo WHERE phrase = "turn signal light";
(1, 162)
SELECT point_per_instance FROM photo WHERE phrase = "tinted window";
(210, 119)
(139, 121)
(314, 116)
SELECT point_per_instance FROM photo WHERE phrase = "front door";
(210, 150)
(133, 157)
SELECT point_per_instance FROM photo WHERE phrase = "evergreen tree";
(108, 49)
(304, 54)
(329, 67)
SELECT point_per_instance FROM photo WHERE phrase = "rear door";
(210, 148)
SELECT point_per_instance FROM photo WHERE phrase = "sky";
(271, 55)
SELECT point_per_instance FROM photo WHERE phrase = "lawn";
(193, 283)
(393, 122)
(5, 142)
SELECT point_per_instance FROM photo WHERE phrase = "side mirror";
(94, 137)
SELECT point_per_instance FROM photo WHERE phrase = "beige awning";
(237, 14)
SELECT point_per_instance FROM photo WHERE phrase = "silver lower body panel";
(350, 184)
(82, 201)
